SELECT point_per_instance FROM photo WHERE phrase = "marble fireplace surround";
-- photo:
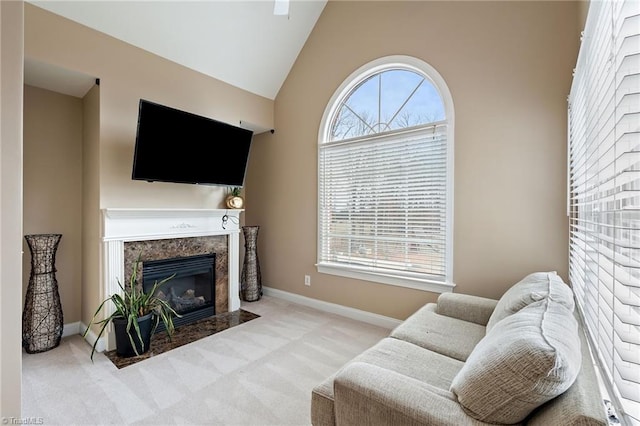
(167, 233)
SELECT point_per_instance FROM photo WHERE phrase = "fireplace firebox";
(191, 292)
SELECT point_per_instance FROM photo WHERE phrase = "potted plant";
(234, 200)
(136, 316)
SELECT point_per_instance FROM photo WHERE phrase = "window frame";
(324, 135)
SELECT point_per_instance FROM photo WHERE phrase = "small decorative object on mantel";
(234, 200)
(250, 279)
(42, 321)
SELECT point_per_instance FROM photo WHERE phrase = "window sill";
(400, 281)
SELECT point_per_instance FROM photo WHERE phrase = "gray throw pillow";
(532, 288)
(527, 359)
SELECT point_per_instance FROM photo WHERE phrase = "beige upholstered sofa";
(467, 360)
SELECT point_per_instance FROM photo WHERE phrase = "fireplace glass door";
(191, 292)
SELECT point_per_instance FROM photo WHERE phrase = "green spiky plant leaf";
(131, 305)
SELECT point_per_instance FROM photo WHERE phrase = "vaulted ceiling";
(242, 43)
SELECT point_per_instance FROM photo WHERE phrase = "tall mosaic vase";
(250, 279)
(42, 321)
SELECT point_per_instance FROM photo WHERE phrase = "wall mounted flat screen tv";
(178, 146)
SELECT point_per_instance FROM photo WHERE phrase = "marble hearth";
(169, 233)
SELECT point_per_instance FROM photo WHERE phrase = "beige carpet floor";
(257, 373)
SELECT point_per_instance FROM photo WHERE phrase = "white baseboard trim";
(345, 311)
(71, 329)
(91, 337)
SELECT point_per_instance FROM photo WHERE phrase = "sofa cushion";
(439, 333)
(466, 307)
(392, 354)
(527, 359)
(532, 288)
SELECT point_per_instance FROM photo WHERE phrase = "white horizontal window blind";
(604, 192)
(384, 177)
(383, 202)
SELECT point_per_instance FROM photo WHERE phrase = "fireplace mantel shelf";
(133, 212)
(148, 224)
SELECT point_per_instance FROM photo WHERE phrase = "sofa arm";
(466, 307)
(366, 394)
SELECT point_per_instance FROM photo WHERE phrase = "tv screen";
(178, 146)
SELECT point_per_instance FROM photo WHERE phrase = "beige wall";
(127, 74)
(508, 66)
(52, 176)
(91, 253)
(11, 71)
(583, 11)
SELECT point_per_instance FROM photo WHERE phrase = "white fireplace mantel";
(123, 225)
(152, 224)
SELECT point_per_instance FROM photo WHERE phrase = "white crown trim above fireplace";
(123, 225)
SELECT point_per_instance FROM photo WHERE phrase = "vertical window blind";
(383, 203)
(604, 193)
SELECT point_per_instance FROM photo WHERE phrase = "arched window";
(385, 177)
